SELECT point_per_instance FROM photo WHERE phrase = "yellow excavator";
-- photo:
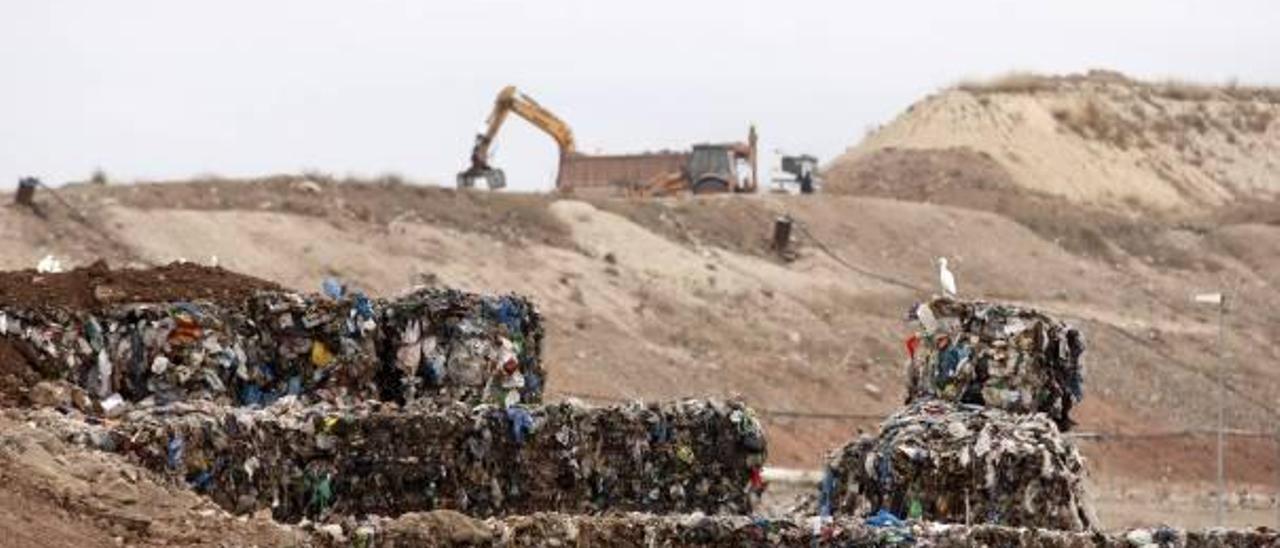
(509, 100)
(707, 168)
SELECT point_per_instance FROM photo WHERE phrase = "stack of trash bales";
(990, 390)
(435, 344)
(1000, 356)
(321, 406)
(958, 463)
(310, 461)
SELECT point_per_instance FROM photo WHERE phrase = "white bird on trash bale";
(946, 277)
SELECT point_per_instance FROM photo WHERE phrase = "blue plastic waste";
(509, 312)
(201, 480)
(885, 518)
(532, 384)
(189, 308)
(660, 432)
(251, 395)
(364, 307)
(884, 467)
(521, 423)
(433, 370)
(825, 489)
(951, 359)
(332, 288)
(175, 448)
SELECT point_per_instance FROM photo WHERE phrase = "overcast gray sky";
(168, 89)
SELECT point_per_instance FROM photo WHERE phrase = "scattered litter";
(49, 265)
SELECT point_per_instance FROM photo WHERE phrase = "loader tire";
(711, 185)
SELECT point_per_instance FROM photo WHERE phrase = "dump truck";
(705, 168)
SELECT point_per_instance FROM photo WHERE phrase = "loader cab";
(713, 169)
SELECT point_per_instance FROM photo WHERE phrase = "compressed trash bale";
(463, 346)
(1016, 359)
(303, 343)
(166, 351)
(310, 461)
(960, 463)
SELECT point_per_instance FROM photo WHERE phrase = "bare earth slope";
(1102, 139)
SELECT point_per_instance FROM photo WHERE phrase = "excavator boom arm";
(543, 119)
(510, 100)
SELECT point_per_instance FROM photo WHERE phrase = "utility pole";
(1220, 300)
(1222, 409)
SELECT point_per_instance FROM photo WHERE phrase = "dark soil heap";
(97, 286)
(90, 288)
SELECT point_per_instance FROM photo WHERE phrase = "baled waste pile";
(996, 355)
(959, 463)
(253, 347)
(313, 461)
(444, 528)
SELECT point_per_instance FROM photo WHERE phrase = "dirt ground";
(61, 495)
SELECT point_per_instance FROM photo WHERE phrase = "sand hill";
(1100, 139)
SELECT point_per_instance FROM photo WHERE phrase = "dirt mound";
(955, 175)
(511, 217)
(93, 287)
(1099, 139)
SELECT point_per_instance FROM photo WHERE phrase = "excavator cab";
(712, 169)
